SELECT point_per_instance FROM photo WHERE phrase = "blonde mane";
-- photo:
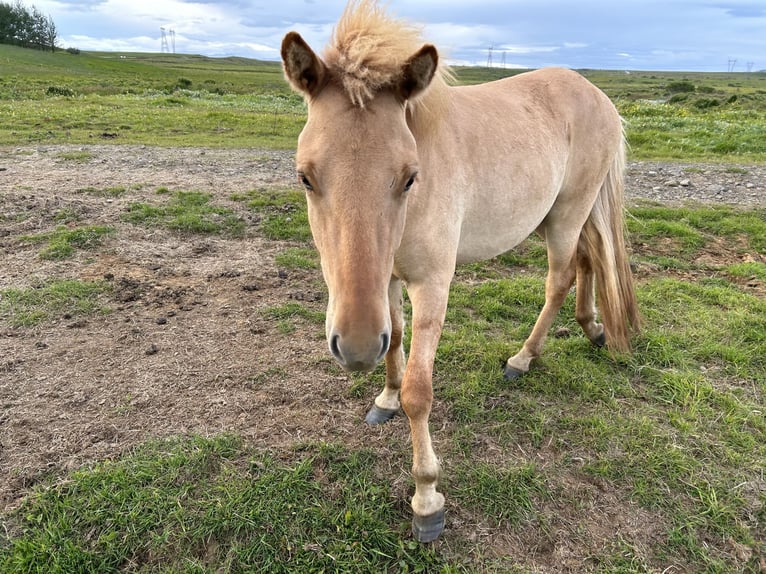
(369, 49)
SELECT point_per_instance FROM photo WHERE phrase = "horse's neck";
(428, 117)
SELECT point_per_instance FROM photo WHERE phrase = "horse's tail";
(604, 241)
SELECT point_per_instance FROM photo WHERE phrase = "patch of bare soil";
(186, 346)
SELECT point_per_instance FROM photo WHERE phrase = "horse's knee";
(416, 398)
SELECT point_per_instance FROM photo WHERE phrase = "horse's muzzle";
(359, 355)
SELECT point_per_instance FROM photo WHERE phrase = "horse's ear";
(303, 69)
(418, 72)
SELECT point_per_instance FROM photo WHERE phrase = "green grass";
(284, 215)
(64, 241)
(202, 505)
(184, 100)
(63, 298)
(187, 212)
(298, 258)
(676, 235)
(81, 156)
(290, 315)
(145, 98)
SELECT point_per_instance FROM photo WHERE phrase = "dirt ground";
(186, 347)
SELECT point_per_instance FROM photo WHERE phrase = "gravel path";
(48, 168)
(707, 183)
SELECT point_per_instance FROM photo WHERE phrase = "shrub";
(59, 91)
(706, 103)
(680, 86)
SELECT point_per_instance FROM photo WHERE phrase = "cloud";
(744, 10)
(656, 34)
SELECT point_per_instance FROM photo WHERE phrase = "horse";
(408, 175)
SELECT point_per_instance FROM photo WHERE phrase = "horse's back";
(547, 94)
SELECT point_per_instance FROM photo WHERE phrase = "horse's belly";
(489, 232)
(489, 243)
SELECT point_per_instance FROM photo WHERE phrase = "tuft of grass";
(78, 156)
(24, 307)
(298, 258)
(114, 191)
(751, 269)
(64, 241)
(66, 215)
(289, 315)
(187, 212)
(294, 310)
(285, 216)
(502, 495)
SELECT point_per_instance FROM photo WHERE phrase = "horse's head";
(358, 161)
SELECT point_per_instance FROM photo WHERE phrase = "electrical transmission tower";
(750, 66)
(164, 47)
(732, 64)
(489, 57)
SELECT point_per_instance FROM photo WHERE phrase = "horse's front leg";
(387, 404)
(429, 304)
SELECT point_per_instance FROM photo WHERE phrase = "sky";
(678, 35)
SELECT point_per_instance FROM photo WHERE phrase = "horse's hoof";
(428, 528)
(511, 373)
(599, 341)
(379, 416)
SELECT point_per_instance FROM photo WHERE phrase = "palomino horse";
(407, 176)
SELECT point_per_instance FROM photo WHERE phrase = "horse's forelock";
(369, 49)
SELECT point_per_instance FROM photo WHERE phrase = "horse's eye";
(410, 182)
(305, 181)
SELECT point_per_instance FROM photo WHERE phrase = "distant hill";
(118, 72)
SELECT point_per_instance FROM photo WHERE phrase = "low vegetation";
(182, 100)
(55, 300)
(206, 505)
(64, 241)
(187, 212)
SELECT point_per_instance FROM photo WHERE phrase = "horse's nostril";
(385, 339)
(335, 347)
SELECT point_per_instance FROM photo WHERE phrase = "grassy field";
(185, 100)
(661, 452)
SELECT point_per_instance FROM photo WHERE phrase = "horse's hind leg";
(561, 275)
(386, 404)
(585, 306)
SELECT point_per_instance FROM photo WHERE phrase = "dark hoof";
(428, 528)
(511, 373)
(378, 416)
(599, 341)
